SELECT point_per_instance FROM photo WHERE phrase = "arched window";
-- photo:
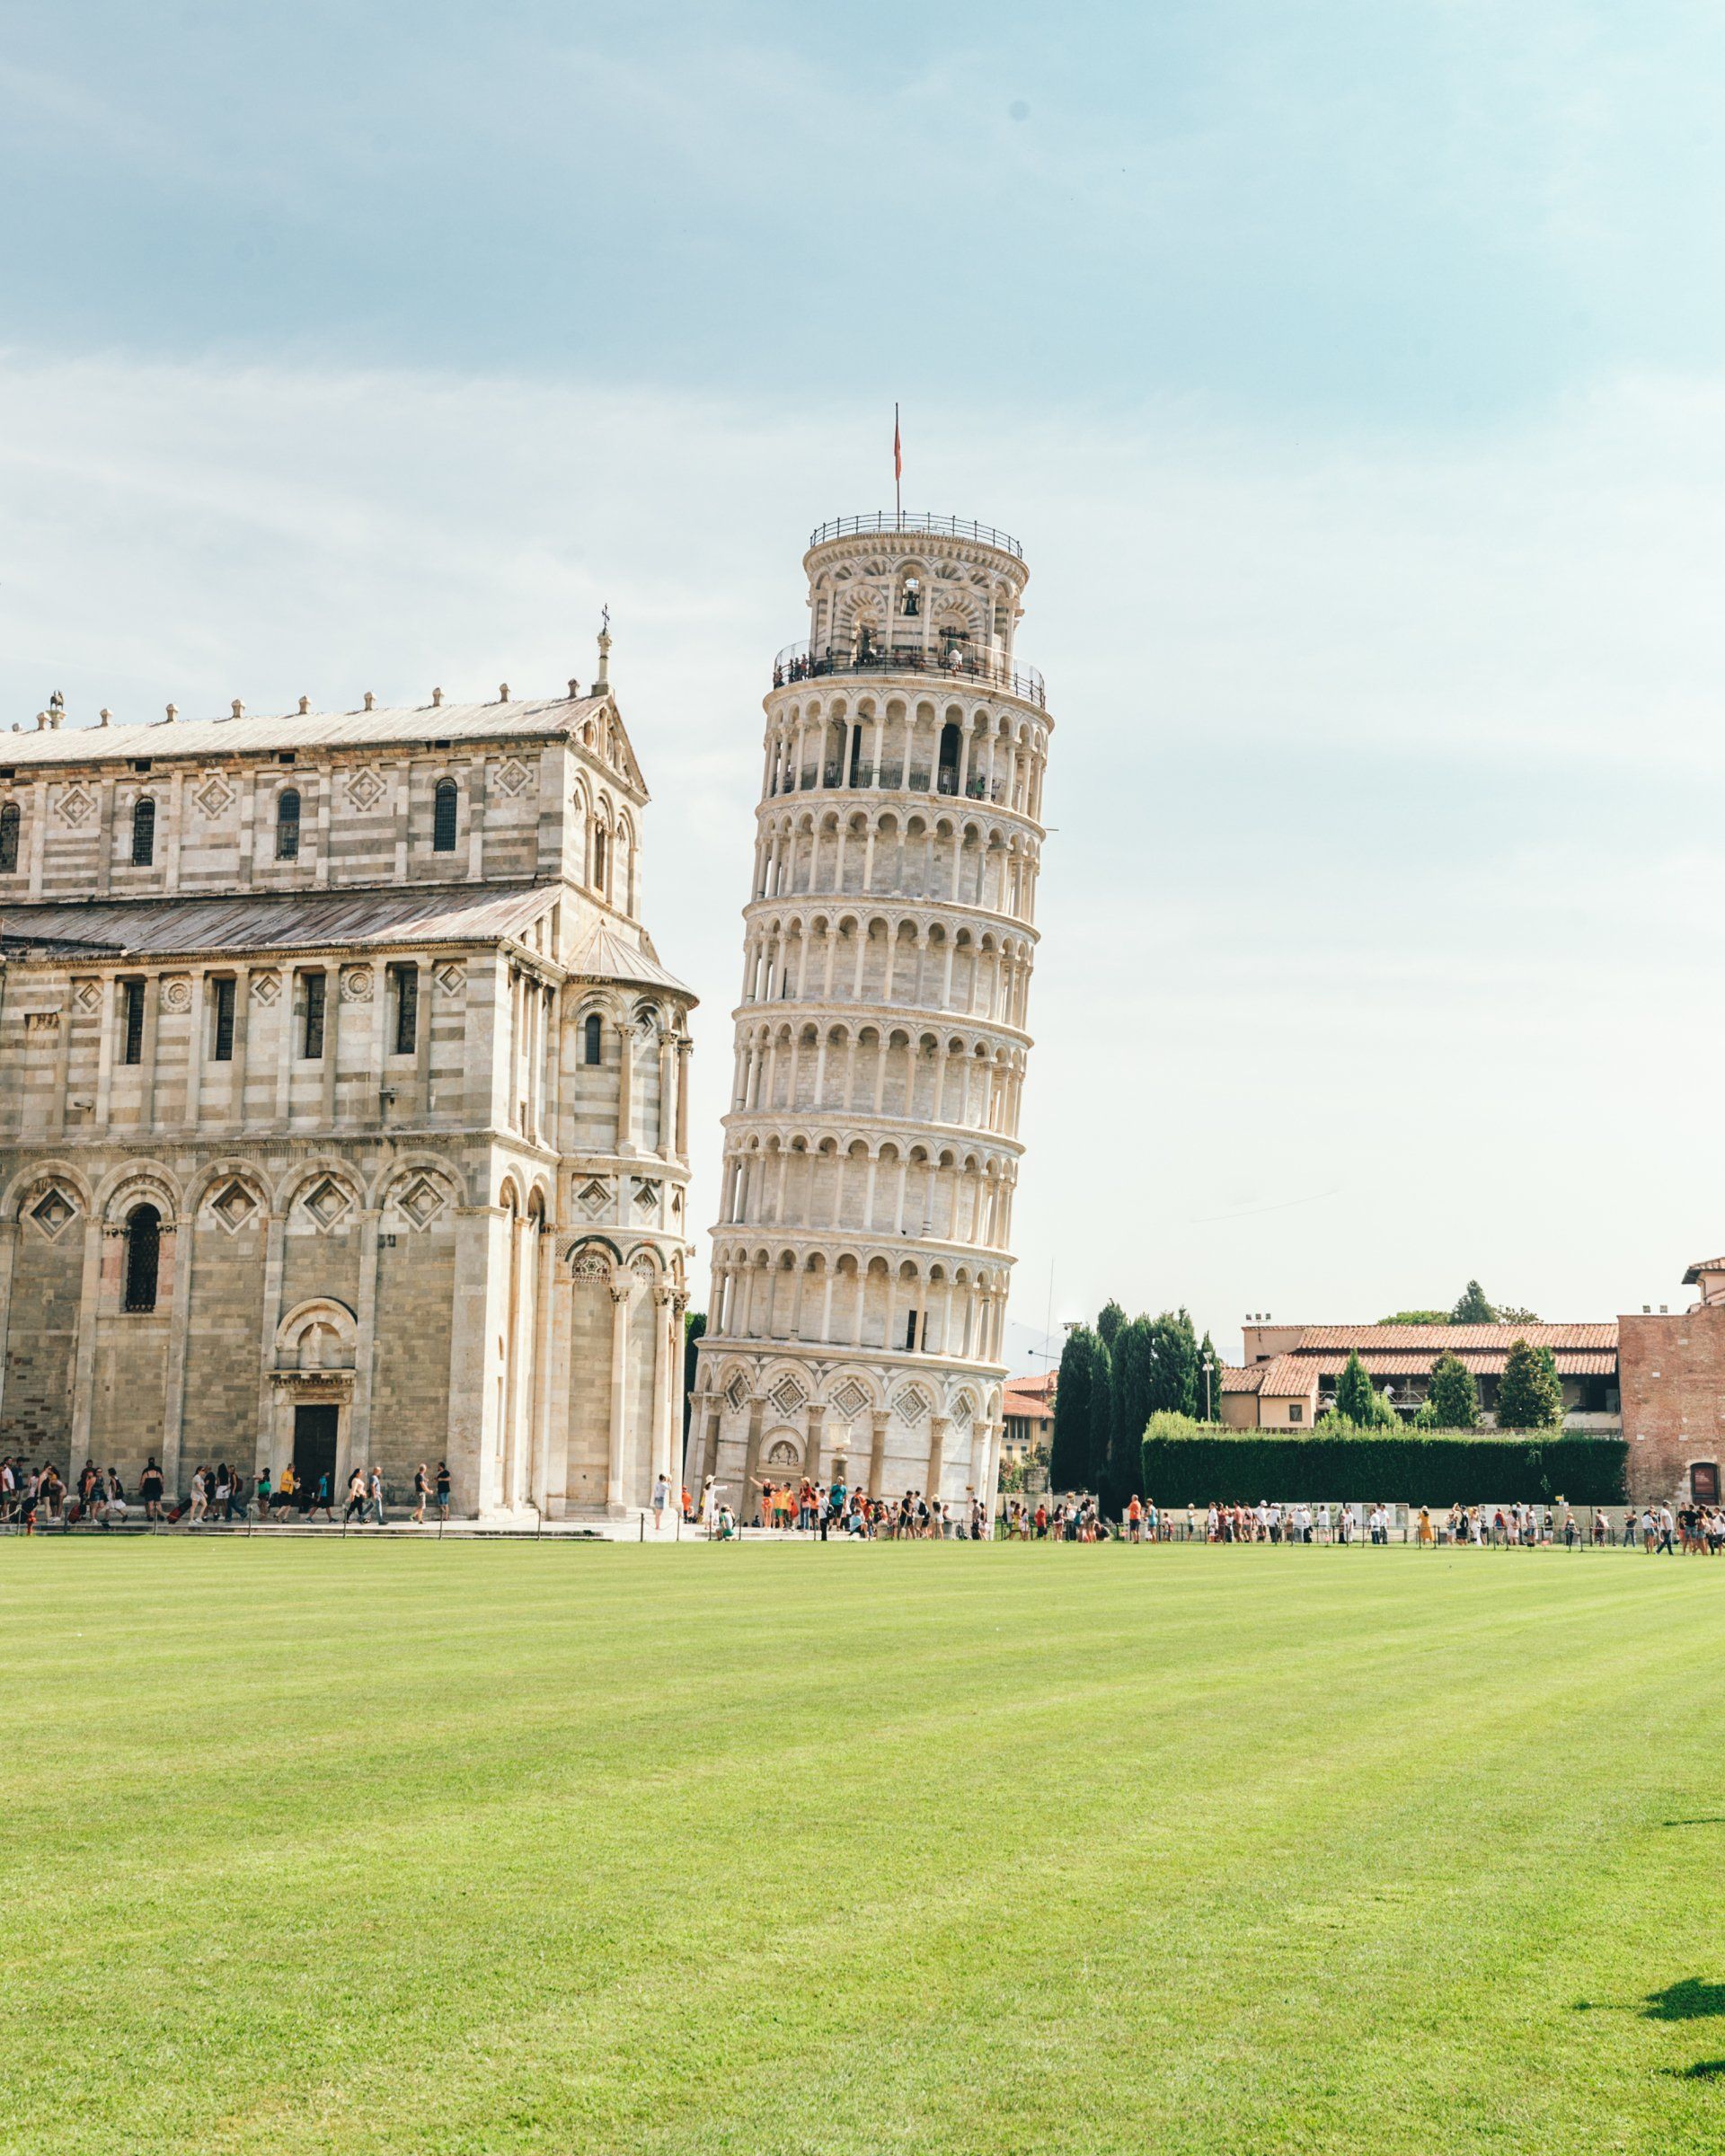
(599, 859)
(444, 813)
(593, 1039)
(8, 838)
(143, 833)
(951, 744)
(143, 1256)
(288, 826)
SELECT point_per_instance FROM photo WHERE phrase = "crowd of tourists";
(835, 1508)
(40, 1496)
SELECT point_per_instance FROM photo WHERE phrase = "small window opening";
(407, 1009)
(8, 838)
(593, 1042)
(131, 1019)
(311, 1041)
(222, 1047)
(445, 813)
(288, 824)
(143, 1256)
(143, 832)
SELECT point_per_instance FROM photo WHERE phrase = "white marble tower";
(862, 1256)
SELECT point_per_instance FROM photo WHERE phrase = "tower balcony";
(957, 664)
(942, 527)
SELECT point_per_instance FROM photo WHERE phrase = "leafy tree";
(1354, 1393)
(1472, 1307)
(1530, 1396)
(1508, 1314)
(694, 1324)
(1174, 1373)
(1416, 1317)
(1069, 1456)
(1102, 1416)
(1454, 1399)
(1110, 1324)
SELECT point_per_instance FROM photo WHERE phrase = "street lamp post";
(1209, 1364)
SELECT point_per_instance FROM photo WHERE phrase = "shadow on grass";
(1690, 2001)
(1704, 2070)
(1711, 1819)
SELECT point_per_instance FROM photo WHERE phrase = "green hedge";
(1400, 1467)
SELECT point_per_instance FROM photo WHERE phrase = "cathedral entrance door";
(314, 1430)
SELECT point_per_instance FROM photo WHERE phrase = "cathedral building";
(863, 1245)
(342, 1102)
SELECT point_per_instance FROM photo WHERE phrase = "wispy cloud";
(1381, 861)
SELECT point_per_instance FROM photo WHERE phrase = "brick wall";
(1672, 1374)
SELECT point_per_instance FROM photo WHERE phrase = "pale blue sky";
(1355, 376)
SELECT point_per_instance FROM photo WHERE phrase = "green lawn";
(494, 1847)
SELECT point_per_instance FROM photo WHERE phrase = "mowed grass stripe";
(498, 1847)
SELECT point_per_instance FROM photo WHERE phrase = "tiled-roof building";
(1290, 1375)
(342, 1102)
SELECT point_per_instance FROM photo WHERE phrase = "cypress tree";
(1102, 1420)
(1110, 1324)
(1530, 1394)
(694, 1325)
(1069, 1454)
(1354, 1394)
(1453, 1397)
(1133, 1383)
(1472, 1307)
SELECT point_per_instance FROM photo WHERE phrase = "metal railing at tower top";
(957, 665)
(946, 527)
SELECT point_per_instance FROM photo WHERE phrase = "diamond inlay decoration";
(850, 1398)
(422, 1201)
(451, 977)
(365, 791)
(88, 995)
(512, 778)
(213, 796)
(961, 1412)
(53, 1211)
(647, 1196)
(593, 1197)
(74, 805)
(327, 1203)
(737, 1391)
(911, 1405)
(233, 1206)
(265, 988)
(787, 1396)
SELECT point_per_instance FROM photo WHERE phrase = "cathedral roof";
(159, 928)
(182, 927)
(403, 724)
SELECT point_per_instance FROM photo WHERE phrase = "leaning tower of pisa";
(862, 1255)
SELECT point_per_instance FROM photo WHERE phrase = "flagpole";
(897, 471)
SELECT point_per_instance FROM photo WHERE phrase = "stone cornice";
(938, 910)
(834, 1243)
(879, 1014)
(841, 798)
(835, 1124)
